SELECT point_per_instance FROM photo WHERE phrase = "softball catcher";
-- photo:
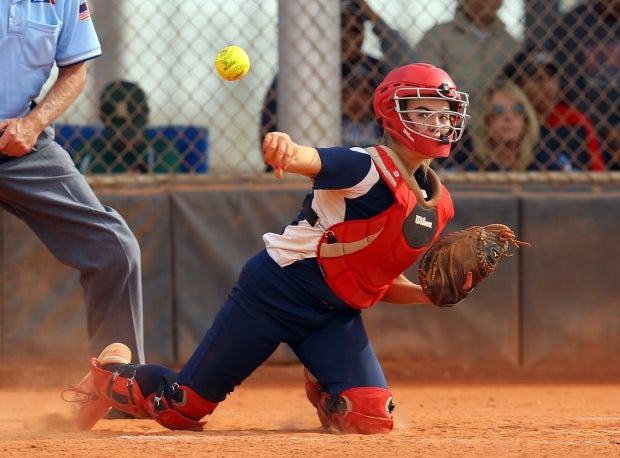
(370, 215)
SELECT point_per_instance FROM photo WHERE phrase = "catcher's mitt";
(445, 265)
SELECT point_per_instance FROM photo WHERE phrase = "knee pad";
(365, 410)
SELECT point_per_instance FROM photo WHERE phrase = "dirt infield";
(268, 416)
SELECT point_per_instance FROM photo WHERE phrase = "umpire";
(39, 182)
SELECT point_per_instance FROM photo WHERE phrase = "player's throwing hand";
(284, 155)
(278, 150)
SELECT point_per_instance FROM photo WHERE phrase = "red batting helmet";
(420, 81)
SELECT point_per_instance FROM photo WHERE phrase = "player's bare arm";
(21, 134)
(284, 155)
(403, 291)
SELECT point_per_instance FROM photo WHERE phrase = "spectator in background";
(473, 47)
(586, 43)
(612, 154)
(361, 74)
(565, 131)
(359, 126)
(125, 145)
(505, 132)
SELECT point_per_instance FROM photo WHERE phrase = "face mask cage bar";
(456, 117)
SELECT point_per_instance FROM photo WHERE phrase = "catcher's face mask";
(429, 116)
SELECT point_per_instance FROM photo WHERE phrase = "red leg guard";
(365, 410)
(122, 393)
(183, 411)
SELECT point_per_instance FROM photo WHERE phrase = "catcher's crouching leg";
(366, 410)
(173, 406)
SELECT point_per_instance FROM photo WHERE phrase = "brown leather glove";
(446, 264)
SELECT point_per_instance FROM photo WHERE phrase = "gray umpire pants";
(47, 192)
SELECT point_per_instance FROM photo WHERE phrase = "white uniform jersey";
(347, 187)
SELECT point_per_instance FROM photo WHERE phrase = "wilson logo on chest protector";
(422, 221)
(419, 227)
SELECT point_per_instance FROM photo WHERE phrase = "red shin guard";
(121, 393)
(182, 411)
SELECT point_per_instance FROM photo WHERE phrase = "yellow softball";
(232, 63)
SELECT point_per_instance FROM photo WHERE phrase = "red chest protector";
(360, 258)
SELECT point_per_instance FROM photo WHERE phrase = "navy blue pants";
(269, 305)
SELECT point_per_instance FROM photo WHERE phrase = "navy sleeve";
(341, 168)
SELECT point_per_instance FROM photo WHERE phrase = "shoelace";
(79, 395)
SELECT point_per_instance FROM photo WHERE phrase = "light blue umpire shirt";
(33, 35)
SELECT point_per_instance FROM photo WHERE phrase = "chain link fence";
(154, 104)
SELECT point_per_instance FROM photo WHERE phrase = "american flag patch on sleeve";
(84, 11)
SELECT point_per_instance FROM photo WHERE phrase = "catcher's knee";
(172, 405)
(366, 410)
